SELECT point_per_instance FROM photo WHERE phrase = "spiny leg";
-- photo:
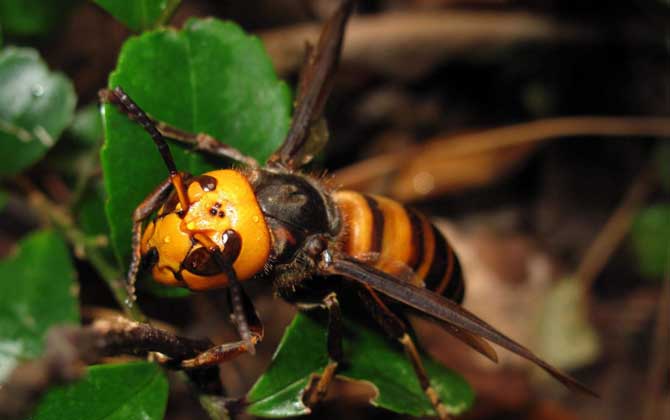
(150, 204)
(200, 141)
(318, 386)
(219, 354)
(394, 326)
(228, 351)
(244, 316)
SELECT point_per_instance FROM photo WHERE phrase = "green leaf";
(86, 126)
(140, 15)
(91, 213)
(77, 154)
(369, 356)
(124, 392)
(35, 107)
(220, 81)
(566, 338)
(651, 239)
(33, 17)
(147, 283)
(37, 291)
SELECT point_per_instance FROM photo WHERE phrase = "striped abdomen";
(399, 241)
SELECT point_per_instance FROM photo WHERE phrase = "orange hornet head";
(219, 200)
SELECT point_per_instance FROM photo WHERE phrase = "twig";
(534, 131)
(390, 41)
(93, 313)
(615, 230)
(600, 251)
(69, 349)
(86, 172)
(168, 12)
(137, 338)
(61, 219)
(659, 366)
(438, 156)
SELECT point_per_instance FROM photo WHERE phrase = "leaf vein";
(289, 385)
(138, 391)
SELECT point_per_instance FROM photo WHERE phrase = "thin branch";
(107, 338)
(168, 12)
(390, 41)
(615, 229)
(62, 220)
(85, 174)
(437, 158)
(69, 349)
(660, 361)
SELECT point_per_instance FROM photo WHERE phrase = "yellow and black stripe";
(399, 241)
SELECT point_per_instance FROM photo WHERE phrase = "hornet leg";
(244, 314)
(149, 205)
(396, 328)
(228, 351)
(318, 387)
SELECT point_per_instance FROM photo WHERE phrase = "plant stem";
(62, 221)
(85, 174)
(616, 228)
(215, 410)
(169, 10)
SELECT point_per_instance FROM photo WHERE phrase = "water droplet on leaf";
(37, 90)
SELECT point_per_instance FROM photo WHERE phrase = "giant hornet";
(227, 226)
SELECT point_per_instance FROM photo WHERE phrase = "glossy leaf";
(32, 17)
(140, 15)
(220, 81)
(370, 357)
(91, 213)
(131, 391)
(77, 154)
(651, 239)
(35, 107)
(37, 284)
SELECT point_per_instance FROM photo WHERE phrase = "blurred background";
(530, 131)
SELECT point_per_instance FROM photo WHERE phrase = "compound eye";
(315, 246)
(201, 262)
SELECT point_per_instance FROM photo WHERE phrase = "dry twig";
(69, 349)
(660, 361)
(389, 42)
(615, 230)
(475, 159)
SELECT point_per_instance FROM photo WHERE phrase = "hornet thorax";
(301, 218)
